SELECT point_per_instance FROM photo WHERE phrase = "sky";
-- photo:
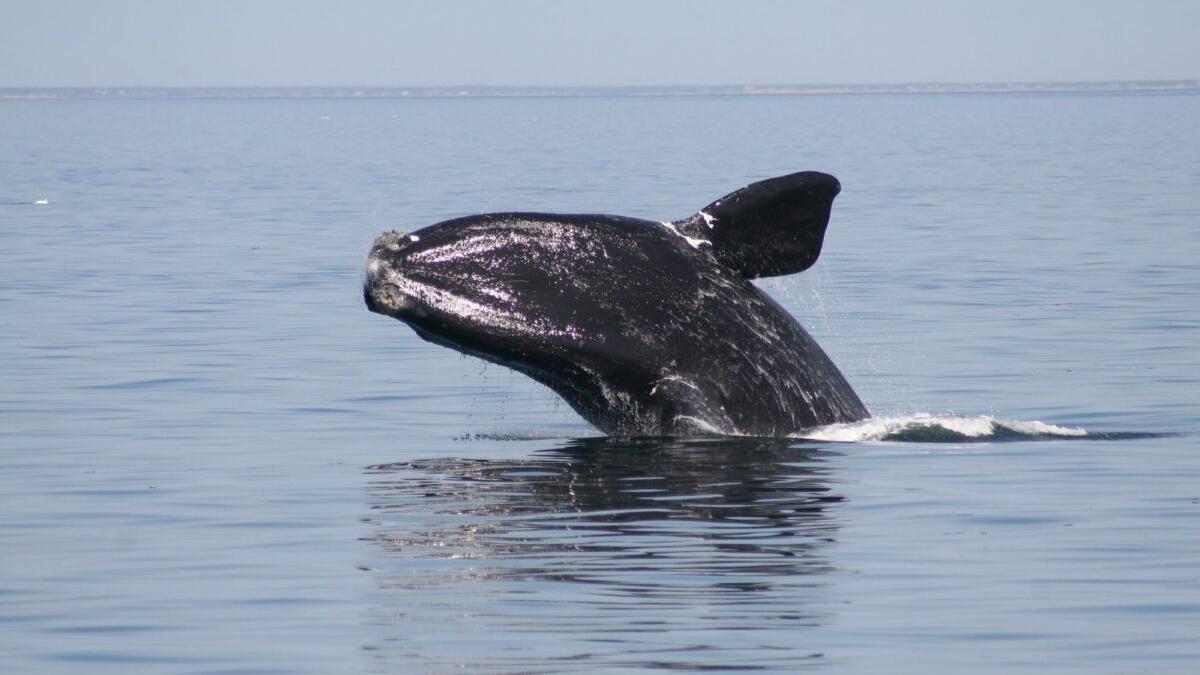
(576, 43)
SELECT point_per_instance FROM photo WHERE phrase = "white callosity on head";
(376, 269)
(709, 220)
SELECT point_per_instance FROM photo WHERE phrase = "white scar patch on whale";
(708, 219)
(671, 378)
(696, 243)
(706, 426)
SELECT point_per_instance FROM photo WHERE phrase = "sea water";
(213, 459)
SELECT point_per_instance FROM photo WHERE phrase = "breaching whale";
(643, 327)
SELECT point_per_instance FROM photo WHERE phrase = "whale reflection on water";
(618, 547)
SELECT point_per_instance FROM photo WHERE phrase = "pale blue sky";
(615, 42)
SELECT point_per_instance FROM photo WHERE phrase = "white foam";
(1041, 428)
(969, 426)
(41, 202)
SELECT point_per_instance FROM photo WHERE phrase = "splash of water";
(915, 428)
(925, 427)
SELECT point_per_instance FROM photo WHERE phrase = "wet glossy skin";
(634, 323)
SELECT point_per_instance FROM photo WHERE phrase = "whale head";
(550, 295)
(638, 325)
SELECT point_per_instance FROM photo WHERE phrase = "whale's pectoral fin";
(771, 227)
(684, 410)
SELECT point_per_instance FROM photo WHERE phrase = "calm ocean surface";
(213, 459)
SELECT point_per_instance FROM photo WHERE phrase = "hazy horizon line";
(518, 90)
(602, 86)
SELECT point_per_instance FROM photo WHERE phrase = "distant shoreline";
(58, 93)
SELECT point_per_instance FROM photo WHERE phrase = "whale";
(645, 328)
